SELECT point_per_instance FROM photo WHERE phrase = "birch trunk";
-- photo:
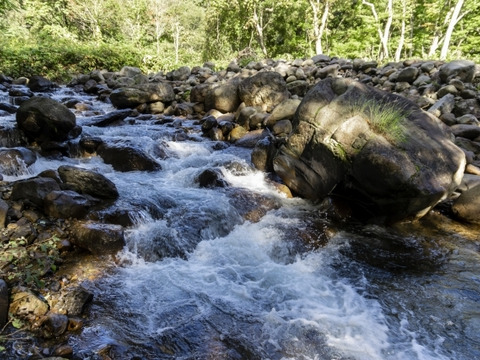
(451, 25)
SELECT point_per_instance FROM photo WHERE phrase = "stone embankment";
(323, 126)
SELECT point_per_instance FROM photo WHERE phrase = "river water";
(197, 280)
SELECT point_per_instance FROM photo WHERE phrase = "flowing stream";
(198, 281)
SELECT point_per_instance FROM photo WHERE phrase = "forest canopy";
(58, 38)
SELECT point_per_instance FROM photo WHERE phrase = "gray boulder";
(66, 204)
(462, 70)
(38, 83)
(34, 190)
(354, 139)
(125, 158)
(87, 182)
(131, 97)
(265, 89)
(222, 97)
(44, 119)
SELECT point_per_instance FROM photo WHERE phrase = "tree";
(385, 33)
(318, 24)
(455, 18)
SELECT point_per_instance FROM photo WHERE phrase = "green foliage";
(61, 38)
(61, 60)
(28, 263)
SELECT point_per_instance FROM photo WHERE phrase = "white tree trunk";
(319, 26)
(258, 22)
(451, 25)
(401, 41)
(385, 34)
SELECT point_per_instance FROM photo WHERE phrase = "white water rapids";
(196, 281)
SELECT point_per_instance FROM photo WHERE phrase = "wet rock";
(63, 351)
(90, 144)
(72, 302)
(124, 158)
(98, 238)
(87, 182)
(264, 89)
(109, 119)
(11, 109)
(15, 161)
(54, 325)
(38, 83)
(26, 305)
(20, 92)
(211, 178)
(66, 204)
(3, 303)
(34, 190)
(45, 119)
(208, 123)
(467, 206)
(263, 154)
(131, 97)
(252, 206)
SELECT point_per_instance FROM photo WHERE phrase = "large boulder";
(379, 149)
(222, 97)
(44, 119)
(131, 97)
(66, 204)
(463, 70)
(87, 182)
(265, 89)
(125, 158)
(34, 190)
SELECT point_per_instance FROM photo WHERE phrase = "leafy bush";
(60, 61)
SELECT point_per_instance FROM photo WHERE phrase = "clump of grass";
(386, 116)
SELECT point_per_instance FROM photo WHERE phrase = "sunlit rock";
(378, 149)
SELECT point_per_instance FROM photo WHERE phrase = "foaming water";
(196, 280)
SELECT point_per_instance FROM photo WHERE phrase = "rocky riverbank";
(53, 222)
